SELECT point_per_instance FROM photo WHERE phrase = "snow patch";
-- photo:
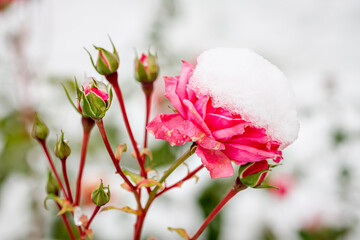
(245, 83)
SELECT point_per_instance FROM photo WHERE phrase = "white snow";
(245, 83)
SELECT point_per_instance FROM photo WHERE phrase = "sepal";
(253, 174)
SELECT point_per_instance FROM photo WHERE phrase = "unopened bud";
(101, 195)
(39, 130)
(62, 149)
(52, 186)
(146, 68)
(94, 99)
(253, 174)
(107, 62)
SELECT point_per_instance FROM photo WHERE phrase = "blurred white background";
(316, 45)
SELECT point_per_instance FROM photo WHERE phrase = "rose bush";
(222, 137)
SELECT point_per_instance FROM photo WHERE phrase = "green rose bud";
(62, 149)
(39, 130)
(52, 186)
(107, 62)
(101, 195)
(146, 68)
(253, 174)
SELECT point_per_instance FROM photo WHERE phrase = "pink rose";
(221, 136)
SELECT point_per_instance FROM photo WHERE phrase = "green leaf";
(133, 176)
(182, 232)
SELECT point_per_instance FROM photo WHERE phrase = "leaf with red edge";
(124, 209)
(119, 150)
(182, 232)
(126, 187)
(148, 153)
(84, 220)
(150, 182)
(66, 206)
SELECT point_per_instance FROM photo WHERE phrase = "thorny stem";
(113, 80)
(43, 144)
(66, 222)
(238, 186)
(100, 125)
(63, 165)
(96, 210)
(178, 184)
(140, 219)
(88, 124)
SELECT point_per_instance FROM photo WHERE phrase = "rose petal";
(177, 131)
(217, 122)
(218, 164)
(170, 93)
(242, 154)
(185, 74)
(201, 105)
(195, 117)
(227, 133)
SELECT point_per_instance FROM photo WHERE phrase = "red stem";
(138, 226)
(238, 186)
(63, 165)
(177, 184)
(140, 219)
(53, 169)
(96, 210)
(100, 125)
(147, 88)
(66, 222)
(86, 135)
(112, 78)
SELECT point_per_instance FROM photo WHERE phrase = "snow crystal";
(245, 83)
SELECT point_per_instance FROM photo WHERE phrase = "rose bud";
(107, 62)
(146, 68)
(94, 99)
(39, 130)
(253, 174)
(101, 195)
(52, 186)
(62, 149)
